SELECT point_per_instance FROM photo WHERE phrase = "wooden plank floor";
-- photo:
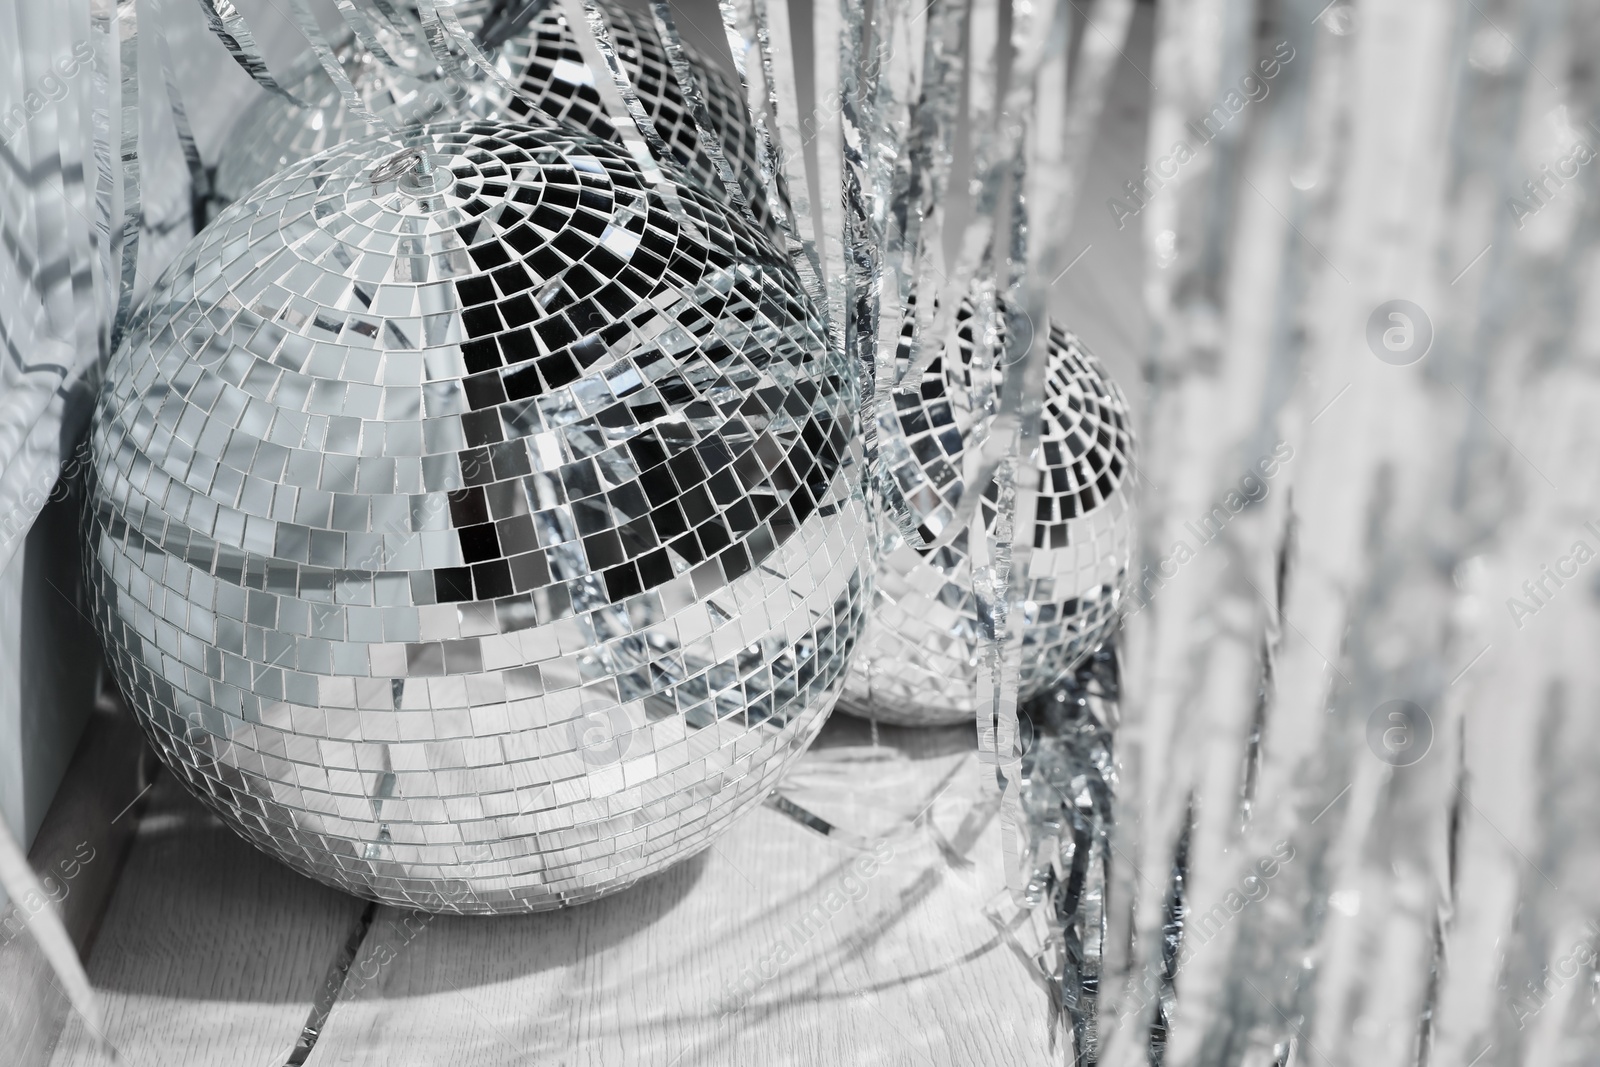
(209, 952)
(771, 947)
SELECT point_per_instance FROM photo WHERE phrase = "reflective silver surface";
(483, 538)
(918, 659)
(542, 59)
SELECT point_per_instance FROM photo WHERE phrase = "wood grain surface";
(210, 952)
(77, 855)
(777, 945)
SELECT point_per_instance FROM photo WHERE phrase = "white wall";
(49, 668)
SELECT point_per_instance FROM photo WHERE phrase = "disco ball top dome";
(473, 524)
(542, 59)
(918, 659)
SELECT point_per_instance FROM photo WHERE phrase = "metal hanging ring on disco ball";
(917, 663)
(400, 164)
(540, 56)
(483, 538)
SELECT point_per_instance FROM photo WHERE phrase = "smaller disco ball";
(917, 663)
(540, 57)
(471, 526)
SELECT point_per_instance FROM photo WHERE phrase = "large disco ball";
(470, 532)
(918, 660)
(540, 56)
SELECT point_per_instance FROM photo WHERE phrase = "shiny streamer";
(779, 57)
(896, 56)
(926, 281)
(858, 70)
(1038, 38)
(371, 27)
(825, 136)
(689, 86)
(776, 51)
(320, 47)
(103, 20)
(404, 27)
(401, 22)
(994, 147)
(452, 22)
(444, 46)
(892, 43)
(901, 87)
(446, 36)
(901, 830)
(229, 26)
(506, 21)
(996, 159)
(1051, 157)
(739, 24)
(933, 133)
(199, 177)
(983, 81)
(46, 365)
(1058, 150)
(124, 241)
(869, 144)
(77, 247)
(365, 34)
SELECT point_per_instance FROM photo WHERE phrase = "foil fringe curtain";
(1427, 913)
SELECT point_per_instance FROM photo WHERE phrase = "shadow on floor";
(199, 913)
